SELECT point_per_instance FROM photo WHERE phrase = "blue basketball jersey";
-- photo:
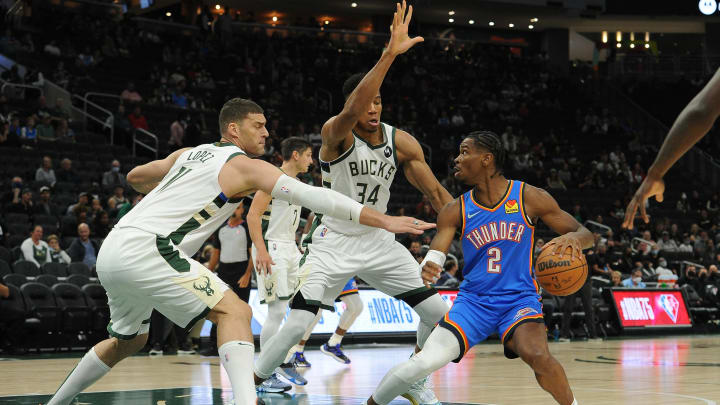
(497, 244)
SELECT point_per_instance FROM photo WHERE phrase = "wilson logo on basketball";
(542, 266)
(511, 207)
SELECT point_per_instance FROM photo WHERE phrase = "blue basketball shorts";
(473, 318)
(350, 288)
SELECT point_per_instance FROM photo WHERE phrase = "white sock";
(289, 355)
(299, 348)
(88, 370)
(237, 357)
(335, 340)
(574, 401)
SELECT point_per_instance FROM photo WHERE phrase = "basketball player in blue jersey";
(498, 294)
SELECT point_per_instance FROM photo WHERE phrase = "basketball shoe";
(421, 393)
(273, 385)
(299, 360)
(335, 352)
(288, 371)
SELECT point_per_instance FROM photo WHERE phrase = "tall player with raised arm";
(359, 158)
(145, 262)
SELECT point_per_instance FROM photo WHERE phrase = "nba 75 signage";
(651, 308)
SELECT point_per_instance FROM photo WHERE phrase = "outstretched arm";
(339, 127)
(449, 220)
(254, 221)
(540, 204)
(417, 171)
(694, 121)
(144, 178)
(241, 176)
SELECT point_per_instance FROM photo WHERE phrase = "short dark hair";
(235, 110)
(292, 144)
(490, 141)
(351, 83)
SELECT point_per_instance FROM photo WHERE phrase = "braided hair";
(490, 141)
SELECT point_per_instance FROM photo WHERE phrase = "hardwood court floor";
(675, 370)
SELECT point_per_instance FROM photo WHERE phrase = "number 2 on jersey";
(494, 257)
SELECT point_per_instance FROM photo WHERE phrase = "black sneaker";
(156, 350)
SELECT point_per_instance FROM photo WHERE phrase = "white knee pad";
(440, 349)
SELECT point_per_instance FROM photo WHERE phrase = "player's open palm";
(650, 187)
(264, 263)
(407, 225)
(400, 41)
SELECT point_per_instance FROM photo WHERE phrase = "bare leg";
(530, 342)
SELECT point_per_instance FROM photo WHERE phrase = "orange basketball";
(560, 274)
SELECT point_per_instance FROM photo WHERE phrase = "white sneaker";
(421, 393)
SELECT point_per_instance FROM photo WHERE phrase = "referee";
(230, 256)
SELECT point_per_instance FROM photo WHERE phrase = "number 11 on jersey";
(494, 257)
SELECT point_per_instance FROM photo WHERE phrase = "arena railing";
(636, 241)
(592, 226)
(5, 85)
(109, 120)
(137, 142)
(87, 116)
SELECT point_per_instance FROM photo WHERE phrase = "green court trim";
(171, 256)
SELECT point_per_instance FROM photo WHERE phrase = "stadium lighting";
(274, 19)
(168, 14)
(353, 4)
(491, 23)
(619, 45)
(632, 36)
(604, 37)
(647, 46)
(534, 20)
(531, 26)
(451, 12)
(217, 7)
(471, 22)
(511, 25)
(632, 45)
(618, 36)
(327, 22)
(452, 20)
(647, 36)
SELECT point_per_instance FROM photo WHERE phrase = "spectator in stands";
(45, 129)
(44, 206)
(81, 204)
(24, 204)
(11, 322)
(66, 173)
(177, 131)
(666, 244)
(28, 133)
(34, 249)
(662, 267)
(539, 244)
(616, 279)
(117, 199)
(635, 281)
(137, 119)
(599, 263)
(7, 138)
(130, 94)
(45, 173)
(15, 127)
(113, 177)
(13, 196)
(101, 224)
(125, 208)
(415, 247)
(95, 209)
(447, 278)
(683, 205)
(687, 245)
(554, 182)
(83, 249)
(56, 253)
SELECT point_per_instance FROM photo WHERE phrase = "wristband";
(434, 256)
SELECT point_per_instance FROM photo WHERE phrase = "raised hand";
(430, 273)
(650, 187)
(400, 42)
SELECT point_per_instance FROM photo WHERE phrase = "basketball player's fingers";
(630, 212)
(417, 40)
(408, 17)
(643, 212)
(659, 197)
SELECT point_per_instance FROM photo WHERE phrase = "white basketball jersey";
(364, 173)
(280, 221)
(188, 204)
